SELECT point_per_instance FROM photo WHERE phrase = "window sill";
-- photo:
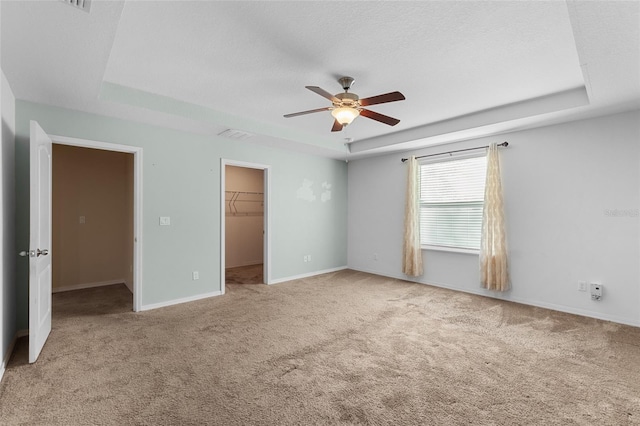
(451, 249)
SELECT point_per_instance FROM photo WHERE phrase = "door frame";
(137, 202)
(266, 219)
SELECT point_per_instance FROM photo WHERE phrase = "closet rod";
(505, 144)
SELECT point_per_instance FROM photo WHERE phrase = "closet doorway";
(87, 215)
(244, 223)
(92, 218)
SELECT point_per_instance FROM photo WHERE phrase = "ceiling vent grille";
(235, 134)
(83, 5)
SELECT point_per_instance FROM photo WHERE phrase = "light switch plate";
(582, 286)
(165, 221)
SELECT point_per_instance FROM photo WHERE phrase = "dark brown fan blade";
(381, 99)
(323, 93)
(379, 117)
(336, 126)
(295, 114)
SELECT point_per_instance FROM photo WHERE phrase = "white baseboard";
(307, 275)
(178, 301)
(575, 311)
(88, 285)
(538, 304)
(9, 352)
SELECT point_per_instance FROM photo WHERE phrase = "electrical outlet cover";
(596, 291)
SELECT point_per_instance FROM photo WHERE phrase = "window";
(451, 202)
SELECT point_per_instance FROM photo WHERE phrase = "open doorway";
(92, 232)
(124, 254)
(244, 223)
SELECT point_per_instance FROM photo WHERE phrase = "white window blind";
(451, 202)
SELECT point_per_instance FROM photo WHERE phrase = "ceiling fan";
(347, 106)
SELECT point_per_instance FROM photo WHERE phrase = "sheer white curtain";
(494, 274)
(412, 253)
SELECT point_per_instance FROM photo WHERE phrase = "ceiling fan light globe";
(345, 115)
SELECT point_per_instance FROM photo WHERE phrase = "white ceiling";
(467, 69)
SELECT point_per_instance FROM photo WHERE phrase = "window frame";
(440, 159)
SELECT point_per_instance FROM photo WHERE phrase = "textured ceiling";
(466, 68)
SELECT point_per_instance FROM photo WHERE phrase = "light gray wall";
(558, 183)
(181, 178)
(7, 219)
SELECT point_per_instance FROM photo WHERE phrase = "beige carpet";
(341, 348)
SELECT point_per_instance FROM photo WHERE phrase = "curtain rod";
(505, 144)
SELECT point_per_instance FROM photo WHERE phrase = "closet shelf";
(244, 203)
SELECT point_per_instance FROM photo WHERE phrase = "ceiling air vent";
(83, 5)
(235, 134)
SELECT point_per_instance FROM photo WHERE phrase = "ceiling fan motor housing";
(347, 99)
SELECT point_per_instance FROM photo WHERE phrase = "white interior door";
(39, 241)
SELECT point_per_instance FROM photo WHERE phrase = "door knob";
(34, 253)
